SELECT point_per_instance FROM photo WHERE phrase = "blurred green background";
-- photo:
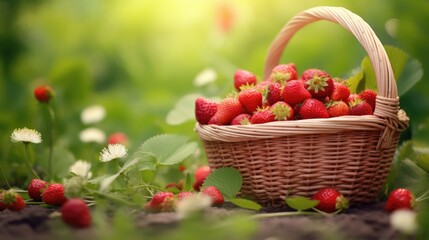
(137, 58)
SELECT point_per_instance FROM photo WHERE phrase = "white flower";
(81, 168)
(92, 135)
(404, 220)
(193, 204)
(26, 135)
(205, 77)
(113, 151)
(93, 114)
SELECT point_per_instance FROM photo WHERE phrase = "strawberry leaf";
(168, 149)
(183, 111)
(245, 203)
(188, 183)
(301, 203)
(228, 180)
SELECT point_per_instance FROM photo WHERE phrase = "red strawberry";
(76, 213)
(284, 72)
(294, 92)
(183, 195)
(313, 108)
(282, 111)
(227, 110)
(54, 195)
(337, 108)
(182, 168)
(340, 92)
(330, 200)
(297, 115)
(262, 86)
(242, 119)
(161, 202)
(263, 115)
(274, 93)
(13, 200)
(204, 110)
(400, 198)
(318, 82)
(215, 195)
(2, 206)
(200, 176)
(118, 137)
(360, 107)
(173, 186)
(36, 188)
(353, 97)
(43, 93)
(243, 77)
(369, 96)
(250, 99)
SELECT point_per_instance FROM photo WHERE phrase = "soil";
(359, 222)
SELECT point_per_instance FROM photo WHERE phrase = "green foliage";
(301, 203)
(408, 72)
(246, 203)
(228, 180)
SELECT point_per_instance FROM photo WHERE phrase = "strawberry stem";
(27, 157)
(283, 214)
(51, 139)
(4, 177)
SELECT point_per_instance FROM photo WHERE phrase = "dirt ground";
(367, 222)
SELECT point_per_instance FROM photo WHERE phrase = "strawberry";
(243, 77)
(337, 108)
(296, 108)
(182, 167)
(263, 115)
(369, 96)
(284, 72)
(161, 202)
(242, 119)
(13, 200)
(118, 137)
(227, 110)
(262, 86)
(313, 108)
(360, 107)
(274, 93)
(353, 97)
(250, 99)
(76, 213)
(340, 92)
(43, 93)
(318, 83)
(330, 200)
(200, 176)
(294, 92)
(36, 188)
(173, 186)
(54, 195)
(204, 110)
(282, 111)
(214, 194)
(400, 198)
(183, 195)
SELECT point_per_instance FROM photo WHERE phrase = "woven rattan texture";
(300, 165)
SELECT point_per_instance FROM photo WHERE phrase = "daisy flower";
(81, 168)
(113, 151)
(92, 135)
(404, 220)
(93, 114)
(26, 135)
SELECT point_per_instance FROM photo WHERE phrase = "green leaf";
(108, 180)
(188, 183)
(245, 203)
(168, 149)
(228, 180)
(62, 159)
(301, 203)
(407, 71)
(183, 111)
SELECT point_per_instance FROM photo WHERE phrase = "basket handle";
(387, 102)
(386, 83)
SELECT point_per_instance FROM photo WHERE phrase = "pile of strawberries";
(74, 212)
(283, 97)
(165, 201)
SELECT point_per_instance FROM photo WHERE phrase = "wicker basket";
(351, 153)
